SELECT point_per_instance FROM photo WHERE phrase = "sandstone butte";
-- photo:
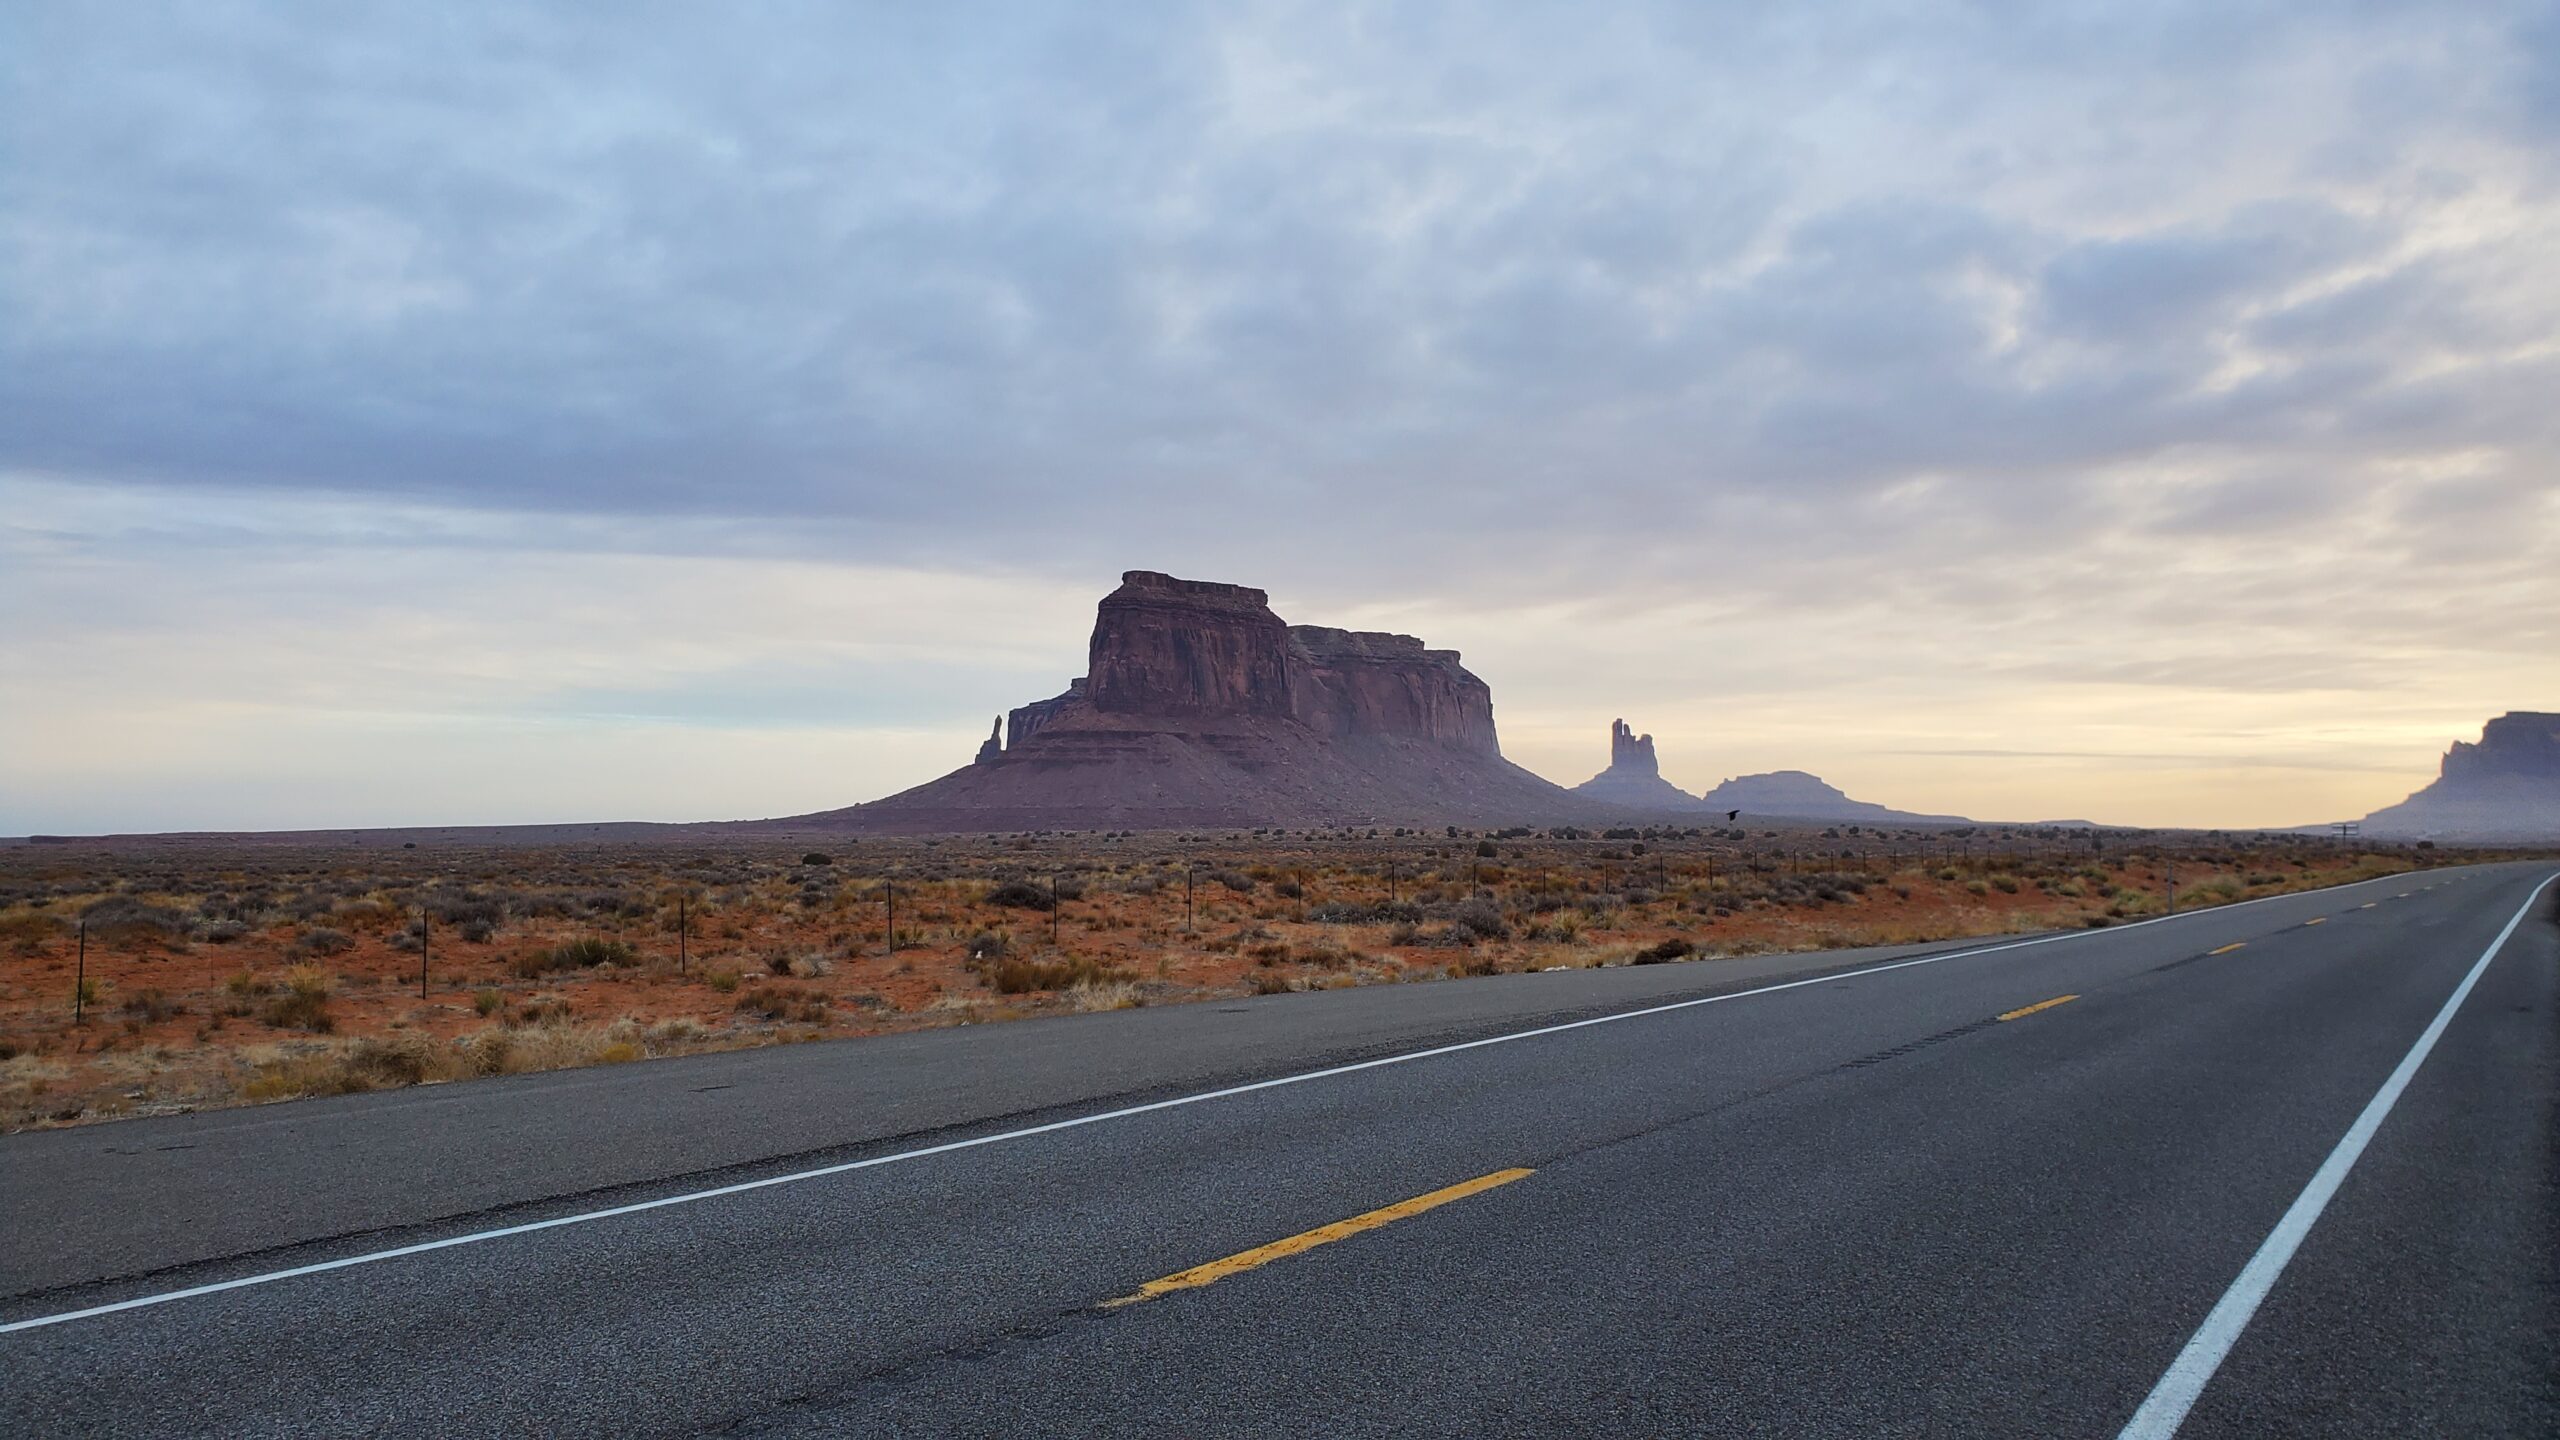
(1634, 777)
(2505, 787)
(1200, 707)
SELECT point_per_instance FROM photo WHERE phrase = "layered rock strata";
(1199, 706)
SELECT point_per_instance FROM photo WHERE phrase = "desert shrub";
(1235, 880)
(223, 932)
(487, 1001)
(123, 920)
(817, 857)
(2221, 889)
(1266, 982)
(27, 930)
(1351, 912)
(152, 1005)
(1479, 920)
(322, 940)
(304, 1005)
(363, 914)
(1020, 895)
(988, 945)
(587, 952)
(784, 1002)
(411, 1058)
(465, 908)
(1020, 977)
(300, 1075)
(549, 1010)
(1663, 953)
(1109, 995)
(721, 981)
(2005, 884)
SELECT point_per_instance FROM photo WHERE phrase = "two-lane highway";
(2284, 1167)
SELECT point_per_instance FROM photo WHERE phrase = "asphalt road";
(1859, 1203)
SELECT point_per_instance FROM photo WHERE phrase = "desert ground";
(152, 977)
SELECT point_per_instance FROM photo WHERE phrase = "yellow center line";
(2227, 949)
(2317, 920)
(2369, 904)
(1261, 1255)
(2025, 1010)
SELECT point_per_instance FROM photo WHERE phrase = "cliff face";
(1631, 752)
(2520, 745)
(1368, 682)
(1199, 706)
(2505, 787)
(1163, 646)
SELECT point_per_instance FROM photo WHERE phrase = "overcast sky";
(439, 414)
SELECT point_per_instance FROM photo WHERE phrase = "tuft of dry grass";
(1090, 995)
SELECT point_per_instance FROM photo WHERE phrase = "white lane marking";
(2167, 1406)
(476, 1237)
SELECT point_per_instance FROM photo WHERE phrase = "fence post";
(424, 925)
(80, 978)
(679, 934)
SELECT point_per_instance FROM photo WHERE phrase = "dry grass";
(249, 973)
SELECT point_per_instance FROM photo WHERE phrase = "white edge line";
(2182, 1384)
(689, 1197)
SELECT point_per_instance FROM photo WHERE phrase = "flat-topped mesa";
(2521, 744)
(1198, 706)
(1163, 646)
(2505, 786)
(1179, 652)
(1630, 751)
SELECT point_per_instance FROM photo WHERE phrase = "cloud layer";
(1862, 386)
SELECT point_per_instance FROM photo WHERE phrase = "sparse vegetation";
(221, 975)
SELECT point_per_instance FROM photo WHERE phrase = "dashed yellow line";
(2025, 1010)
(2227, 949)
(2369, 904)
(2317, 920)
(1261, 1255)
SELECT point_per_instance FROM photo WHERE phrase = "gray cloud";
(2108, 311)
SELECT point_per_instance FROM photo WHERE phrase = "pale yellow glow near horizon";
(715, 688)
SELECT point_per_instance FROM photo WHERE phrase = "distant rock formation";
(2506, 787)
(1634, 777)
(1794, 794)
(993, 747)
(1199, 706)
